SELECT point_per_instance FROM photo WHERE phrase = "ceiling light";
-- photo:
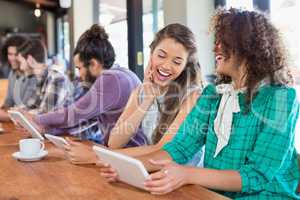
(37, 11)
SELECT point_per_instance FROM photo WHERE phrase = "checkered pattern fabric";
(261, 145)
(53, 89)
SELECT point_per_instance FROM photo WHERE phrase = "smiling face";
(229, 64)
(169, 59)
(12, 54)
(226, 65)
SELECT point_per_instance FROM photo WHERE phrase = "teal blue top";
(261, 145)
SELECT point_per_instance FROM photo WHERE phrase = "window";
(113, 16)
(153, 21)
(285, 15)
(243, 4)
(63, 42)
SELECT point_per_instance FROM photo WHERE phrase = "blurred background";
(131, 25)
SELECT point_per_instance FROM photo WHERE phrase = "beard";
(89, 77)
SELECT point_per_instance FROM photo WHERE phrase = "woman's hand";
(169, 178)
(107, 172)
(148, 75)
(150, 89)
(78, 153)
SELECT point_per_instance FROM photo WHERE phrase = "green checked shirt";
(261, 145)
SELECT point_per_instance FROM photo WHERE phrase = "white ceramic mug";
(31, 147)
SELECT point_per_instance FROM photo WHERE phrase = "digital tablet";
(18, 117)
(130, 170)
(57, 141)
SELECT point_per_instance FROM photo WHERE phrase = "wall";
(175, 11)
(50, 23)
(82, 17)
(199, 13)
(195, 14)
(17, 15)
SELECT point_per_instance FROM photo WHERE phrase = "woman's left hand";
(78, 153)
(169, 178)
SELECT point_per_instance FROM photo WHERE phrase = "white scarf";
(229, 104)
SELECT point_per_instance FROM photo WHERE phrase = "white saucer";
(19, 156)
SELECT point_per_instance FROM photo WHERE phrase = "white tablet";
(57, 141)
(130, 170)
(18, 117)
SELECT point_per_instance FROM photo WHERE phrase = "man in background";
(20, 86)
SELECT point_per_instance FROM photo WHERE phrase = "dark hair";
(190, 76)
(251, 37)
(35, 48)
(94, 43)
(13, 41)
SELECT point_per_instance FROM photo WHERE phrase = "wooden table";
(54, 178)
(3, 90)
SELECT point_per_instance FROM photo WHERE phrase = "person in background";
(53, 87)
(94, 56)
(246, 122)
(4, 66)
(4, 70)
(82, 82)
(170, 89)
(21, 87)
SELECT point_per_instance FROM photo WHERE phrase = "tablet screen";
(57, 141)
(20, 118)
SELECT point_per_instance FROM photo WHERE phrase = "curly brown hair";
(251, 36)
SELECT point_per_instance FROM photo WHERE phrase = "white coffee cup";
(31, 147)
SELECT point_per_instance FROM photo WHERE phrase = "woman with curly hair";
(246, 122)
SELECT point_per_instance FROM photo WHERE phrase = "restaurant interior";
(131, 26)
